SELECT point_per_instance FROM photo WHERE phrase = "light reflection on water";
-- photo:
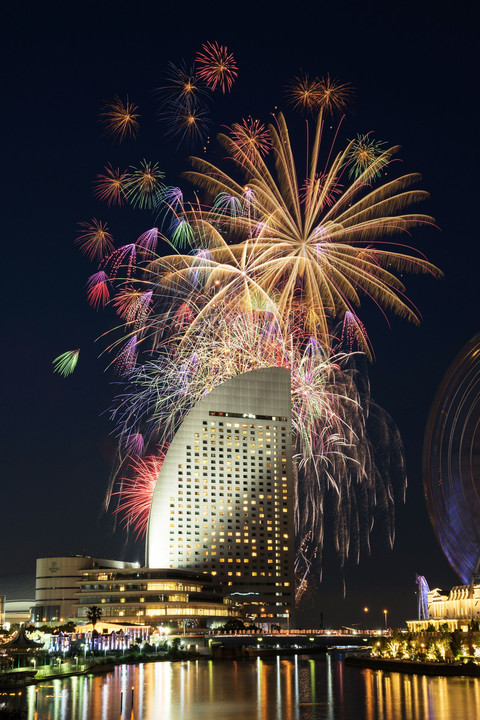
(277, 689)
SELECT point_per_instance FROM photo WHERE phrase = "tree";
(234, 624)
(456, 643)
(94, 614)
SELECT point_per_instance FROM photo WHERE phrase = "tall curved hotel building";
(223, 503)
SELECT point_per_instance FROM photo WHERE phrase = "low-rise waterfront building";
(18, 592)
(456, 609)
(56, 587)
(126, 593)
(153, 596)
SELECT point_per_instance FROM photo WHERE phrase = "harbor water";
(298, 688)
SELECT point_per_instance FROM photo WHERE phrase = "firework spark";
(120, 119)
(66, 363)
(305, 93)
(364, 154)
(252, 138)
(266, 270)
(143, 184)
(183, 87)
(136, 492)
(334, 96)
(314, 251)
(148, 240)
(110, 186)
(309, 250)
(189, 124)
(133, 306)
(95, 240)
(98, 292)
(216, 66)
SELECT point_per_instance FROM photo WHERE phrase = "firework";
(329, 413)
(354, 335)
(304, 93)
(314, 251)
(189, 124)
(267, 269)
(95, 240)
(110, 186)
(252, 139)
(135, 493)
(134, 444)
(133, 306)
(120, 118)
(98, 293)
(216, 66)
(121, 262)
(148, 240)
(227, 206)
(364, 154)
(66, 363)
(182, 234)
(211, 279)
(182, 87)
(124, 361)
(334, 96)
(182, 105)
(143, 184)
(168, 204)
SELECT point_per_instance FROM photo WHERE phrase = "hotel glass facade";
(223, 504)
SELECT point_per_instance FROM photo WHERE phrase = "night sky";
(414, 67)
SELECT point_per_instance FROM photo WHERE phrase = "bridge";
(325, 635)
(314, 640)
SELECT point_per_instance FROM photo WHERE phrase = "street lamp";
(365, 610)
(385, 612)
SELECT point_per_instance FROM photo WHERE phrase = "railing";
(322, 633)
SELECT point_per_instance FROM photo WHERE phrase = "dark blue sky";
(414, 69)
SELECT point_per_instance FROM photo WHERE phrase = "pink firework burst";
(136, 492)
(252, 140)
(134, 443)
(183, 316)
(122, 261)
(216, 66)
(354, 333)
(98, 293)
(148, 240)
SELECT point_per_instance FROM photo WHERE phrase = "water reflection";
(276, 689)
